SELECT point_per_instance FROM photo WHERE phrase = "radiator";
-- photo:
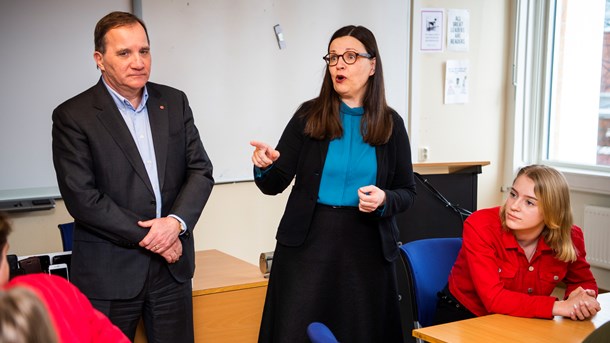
(596, 229)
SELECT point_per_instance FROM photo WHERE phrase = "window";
(580, 82)
(562, 85)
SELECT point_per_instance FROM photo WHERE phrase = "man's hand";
(172, 255)
(162, 235)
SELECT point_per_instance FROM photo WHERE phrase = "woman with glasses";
(349, 156)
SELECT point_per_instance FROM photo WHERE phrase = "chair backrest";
(320, 333)
(429, 262)
(66, 231)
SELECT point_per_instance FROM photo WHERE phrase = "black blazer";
(106, 189)
(303, 157)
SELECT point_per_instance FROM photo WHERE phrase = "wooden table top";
(427, 168)
(501, 328)
(217, 272)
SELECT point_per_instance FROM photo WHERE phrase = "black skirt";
(338, 277)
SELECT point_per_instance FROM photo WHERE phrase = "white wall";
(472, 131)
(241, 86)
(47, 57)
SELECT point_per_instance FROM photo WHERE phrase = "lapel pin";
(162, 107)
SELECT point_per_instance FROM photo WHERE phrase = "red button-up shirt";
(492, 274)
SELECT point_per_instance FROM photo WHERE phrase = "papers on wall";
(432, 28)
(456, 82)
(458, 30)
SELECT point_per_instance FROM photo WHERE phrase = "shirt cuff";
(259, 172)
(380, 211)
(182, 223)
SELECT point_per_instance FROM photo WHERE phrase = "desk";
(228, 299)
(448, 167)
(502, 328)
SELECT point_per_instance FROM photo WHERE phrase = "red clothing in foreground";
(492, 274)
(74, 317)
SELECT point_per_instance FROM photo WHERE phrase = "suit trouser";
(165, 305)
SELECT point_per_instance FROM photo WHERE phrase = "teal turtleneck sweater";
(350, 163)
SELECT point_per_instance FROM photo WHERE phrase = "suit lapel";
(113, 122)
(382, 175)
(158, 116)
(323, 148)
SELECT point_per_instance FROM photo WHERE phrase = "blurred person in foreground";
(24, 318)
(71, 314)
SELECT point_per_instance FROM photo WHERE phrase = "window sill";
(587, 181)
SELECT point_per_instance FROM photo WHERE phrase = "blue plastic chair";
(429, 262)
(66, 231)
(320, 333)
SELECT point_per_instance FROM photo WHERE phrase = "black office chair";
(428, 263)
(66, 231)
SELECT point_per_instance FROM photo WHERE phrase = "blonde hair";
(553, 193)
(24, 318)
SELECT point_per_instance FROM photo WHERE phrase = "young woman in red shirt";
(514, 256)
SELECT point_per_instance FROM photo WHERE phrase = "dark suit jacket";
(303, 157)
(105, 187)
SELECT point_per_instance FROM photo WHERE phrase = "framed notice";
(432, 30)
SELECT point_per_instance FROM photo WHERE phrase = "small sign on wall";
(456, 82)
(458, 30)
(432, 28)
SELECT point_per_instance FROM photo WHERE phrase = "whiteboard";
(47, 57)
(241, 86)
(222, 53)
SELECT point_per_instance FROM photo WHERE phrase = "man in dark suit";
(135, 176)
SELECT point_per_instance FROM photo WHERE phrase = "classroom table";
(228, 298)
(501, 328)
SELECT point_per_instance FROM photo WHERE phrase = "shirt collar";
(123, 103)
(510, 242)
(356, 111)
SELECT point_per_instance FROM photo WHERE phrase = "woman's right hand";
(580, 304)
(263, 155)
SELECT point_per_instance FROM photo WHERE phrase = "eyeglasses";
(349, 57)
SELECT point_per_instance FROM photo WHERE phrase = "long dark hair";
(323, 121)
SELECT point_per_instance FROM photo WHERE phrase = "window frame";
(531, 94)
